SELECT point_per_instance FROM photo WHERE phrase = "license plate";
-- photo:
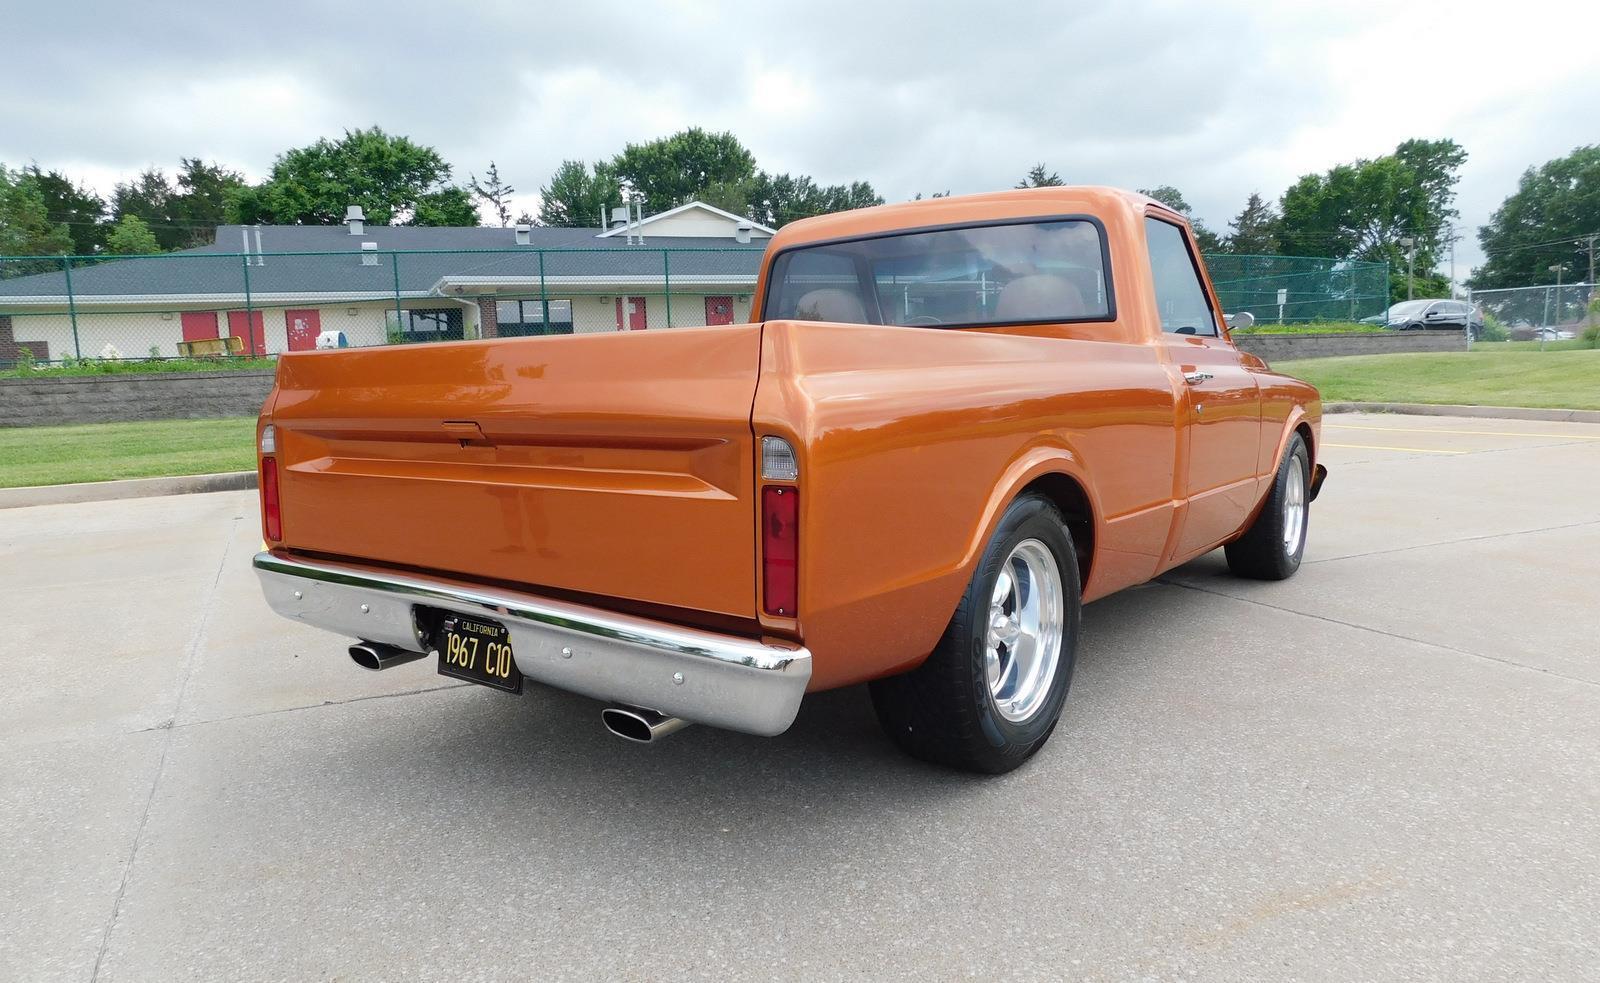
(478, 651)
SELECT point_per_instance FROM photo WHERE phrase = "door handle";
(1195, 378)
(464, 432)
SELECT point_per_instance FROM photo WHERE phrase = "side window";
(1180, 298)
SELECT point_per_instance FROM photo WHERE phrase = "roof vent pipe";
(741, 232)
(261, 259)
(356, 219)
(522, 235)
(369, 254)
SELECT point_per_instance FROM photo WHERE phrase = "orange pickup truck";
(952, 423)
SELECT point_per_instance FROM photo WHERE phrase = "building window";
(522, 317)
(426, 324)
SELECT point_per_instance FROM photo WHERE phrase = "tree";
(131, 237)
(578, 196)
(82, 211)
(1208, 241)
(25, 226)
(1254, 229)
(1362, 210)
(937, 194)
(394, 180)
(447, 206)
(1038, 177)
(493, 192)
(775, 200)
(692, 165)
(148, 197)
(201, 202)
(184, 214)
(1546, 221)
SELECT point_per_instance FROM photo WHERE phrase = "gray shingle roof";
(425, 257)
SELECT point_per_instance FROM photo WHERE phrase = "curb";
(1482, 412)
(105, 491)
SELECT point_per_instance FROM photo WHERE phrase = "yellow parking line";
(1475, 433)
(1380, 447)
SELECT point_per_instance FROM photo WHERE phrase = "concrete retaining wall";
(1283, 347)
(116, 398)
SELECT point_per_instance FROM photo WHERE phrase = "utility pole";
(1411, 260)
(1555, 326)
(1591, 303)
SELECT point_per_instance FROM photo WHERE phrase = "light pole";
(1410, 245)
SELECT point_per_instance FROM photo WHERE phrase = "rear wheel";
(1273, 545)
(991, 692)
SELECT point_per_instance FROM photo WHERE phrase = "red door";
(719, 310)
(255, 340)
(304, 326)
(199, 325)
(637, 319)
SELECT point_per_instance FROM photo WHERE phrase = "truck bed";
(585, 463)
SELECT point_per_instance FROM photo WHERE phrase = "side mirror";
(1243, 319)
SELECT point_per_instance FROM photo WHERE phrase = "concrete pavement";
(1385, 768)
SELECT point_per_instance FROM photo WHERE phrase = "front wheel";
(990, 694)
(1273, 545)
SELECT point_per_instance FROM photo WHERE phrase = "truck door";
(1221, 403)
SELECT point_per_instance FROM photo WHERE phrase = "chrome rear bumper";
(720, 680)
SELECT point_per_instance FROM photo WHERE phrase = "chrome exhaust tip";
(377, 656)
(640, 725)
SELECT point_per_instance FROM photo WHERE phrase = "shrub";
(1492, 330)
(25, 359)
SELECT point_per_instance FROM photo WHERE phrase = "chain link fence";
(56, 309)
(1299, 289)
(1548, 317)
(260, 304)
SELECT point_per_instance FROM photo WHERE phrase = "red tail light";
(271, 516)
(780, 550)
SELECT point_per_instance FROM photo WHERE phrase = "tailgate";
(617, 464)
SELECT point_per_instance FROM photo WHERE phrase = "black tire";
(1263, 552)
(943, 710)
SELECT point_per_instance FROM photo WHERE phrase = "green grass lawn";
(102, 451)
(1557, 379)
(137, 366)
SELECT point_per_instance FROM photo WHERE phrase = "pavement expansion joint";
(189, 659)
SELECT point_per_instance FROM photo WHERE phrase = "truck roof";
(1094, 200)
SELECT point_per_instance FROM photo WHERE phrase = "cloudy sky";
(1218, 98)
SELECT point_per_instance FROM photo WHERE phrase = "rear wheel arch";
(1071, 499)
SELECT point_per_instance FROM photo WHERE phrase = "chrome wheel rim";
(1294, 506)
(1027, 615)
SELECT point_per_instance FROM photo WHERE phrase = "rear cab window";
(1032, 272)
